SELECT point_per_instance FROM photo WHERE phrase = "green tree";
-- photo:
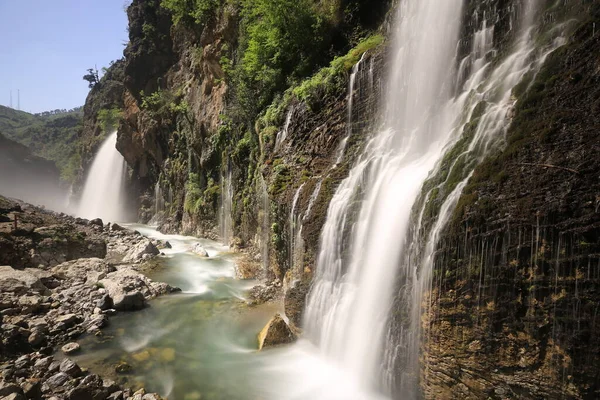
(91, 77)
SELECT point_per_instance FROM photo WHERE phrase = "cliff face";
(204, 166)
(514, 304)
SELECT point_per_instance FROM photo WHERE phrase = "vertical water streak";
(225, 217)
(265, 209)
(282, 135)
(356, 69)
(159, 201)
(295, 227)
(103, 193)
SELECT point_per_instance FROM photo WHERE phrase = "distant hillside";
(29, 177)
(52, 135)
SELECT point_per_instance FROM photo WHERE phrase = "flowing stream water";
(103, 193)
(199, 344)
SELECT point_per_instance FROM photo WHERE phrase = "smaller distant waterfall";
(358, 89)
(226, 222)
(282, 135)
(103, 193)
(159, 199)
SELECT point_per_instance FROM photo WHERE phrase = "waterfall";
(225, 217)
(103, 193)
(282, 135)
(347, 308)
(371, 257)
(159, 200)
(356, 81)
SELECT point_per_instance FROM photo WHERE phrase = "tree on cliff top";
(91, 77)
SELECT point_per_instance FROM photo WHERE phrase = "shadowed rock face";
(28, 177)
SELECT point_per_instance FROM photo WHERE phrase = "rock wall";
(514, 305)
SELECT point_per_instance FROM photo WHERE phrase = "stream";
(198, 344)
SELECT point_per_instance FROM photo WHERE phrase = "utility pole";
(18, 99)
(11, 99)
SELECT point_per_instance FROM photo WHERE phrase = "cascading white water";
(282, 135)
(375, 239)
(103, 193)
(159, 200)
(347, 308)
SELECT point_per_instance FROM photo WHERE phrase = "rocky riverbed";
(62, 277)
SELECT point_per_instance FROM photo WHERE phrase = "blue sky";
(47, 46)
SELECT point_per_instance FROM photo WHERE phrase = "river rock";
(137, 251)
(19, 282)
(71, 348)
(70, 368)
(116, 227)
(199, 250)
(275, 333)
(8, 389)
(97, 222)
(36, 338)
(14, 396)
(32, 389)
(57, 380)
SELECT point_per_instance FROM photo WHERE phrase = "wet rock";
(70, 348)
(97, 222)
(118, 395)
(276, 332)
(80, 393)
(43, 364)
(36, 338)
(139, 250)
(104, 303)
(14, 396)
(123, 368)
(116, 227)
(151, 396)
(57, 380)
(7, 389)
(32, 389)
(199, 250)
(66, 321)
(70, 368)
(19, 282)
(295, 301)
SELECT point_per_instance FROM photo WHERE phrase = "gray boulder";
(19, 282)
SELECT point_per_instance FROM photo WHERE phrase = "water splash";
(104, 191)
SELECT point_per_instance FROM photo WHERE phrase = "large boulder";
(19, 282)
(275, 333)
(125, 289)
(90, 270)
(139, 250)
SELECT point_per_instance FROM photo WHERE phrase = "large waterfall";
(103, 193)
(375, 253)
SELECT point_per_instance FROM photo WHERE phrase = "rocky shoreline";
(62, 277)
